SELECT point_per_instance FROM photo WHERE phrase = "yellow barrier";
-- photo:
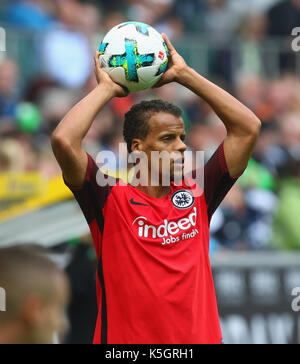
(54, 192)
(45, 194)
(21, 186)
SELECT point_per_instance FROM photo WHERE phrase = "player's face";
(166, 134)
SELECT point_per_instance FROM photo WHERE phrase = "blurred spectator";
(54, 103)
(83, 308)
(37, 294)
(149, 11)
(259, 193)
(112, 5)
(18, 152)
(192, 13)
(251, 36)
(112, 19)
(250, 7)
(90, 20)
(69, 69)
(286, 233)
(45, 163)
(30, 14)
(220, 22)
(11, 156)
(171, 25)
(228, 226)
(250, 89)
(9, 89)
(67, 55)
(283, 17)
(277, 155)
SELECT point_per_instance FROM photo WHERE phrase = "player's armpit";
(238, 151)
(72, 160)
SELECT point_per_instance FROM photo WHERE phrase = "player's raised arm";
(68, 136)
(241, 123)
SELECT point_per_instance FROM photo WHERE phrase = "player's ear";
(137, 153)
(136, 145)
(32, 311)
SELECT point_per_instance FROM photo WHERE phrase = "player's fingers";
(96, 60)
(168, 42)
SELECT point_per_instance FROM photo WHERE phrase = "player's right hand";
(176, 66)
(104, 79)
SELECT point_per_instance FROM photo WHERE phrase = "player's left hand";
(175, 67)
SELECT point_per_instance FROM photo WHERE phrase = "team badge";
(183, 199)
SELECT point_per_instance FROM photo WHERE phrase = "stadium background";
(244, 46)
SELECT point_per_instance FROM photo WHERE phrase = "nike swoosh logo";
(137, 203)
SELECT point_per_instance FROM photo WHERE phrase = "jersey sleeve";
(217, 181)
(92, 197)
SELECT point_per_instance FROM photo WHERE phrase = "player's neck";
(155, 191)
(144, 183)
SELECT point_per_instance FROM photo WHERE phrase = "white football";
(135, 55)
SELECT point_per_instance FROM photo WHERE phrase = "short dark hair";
(136, 123)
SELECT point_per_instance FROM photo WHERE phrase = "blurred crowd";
(263, 209)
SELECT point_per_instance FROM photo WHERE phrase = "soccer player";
(155, 283)
(36, 297)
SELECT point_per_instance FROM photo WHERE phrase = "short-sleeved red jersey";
(154, 283)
